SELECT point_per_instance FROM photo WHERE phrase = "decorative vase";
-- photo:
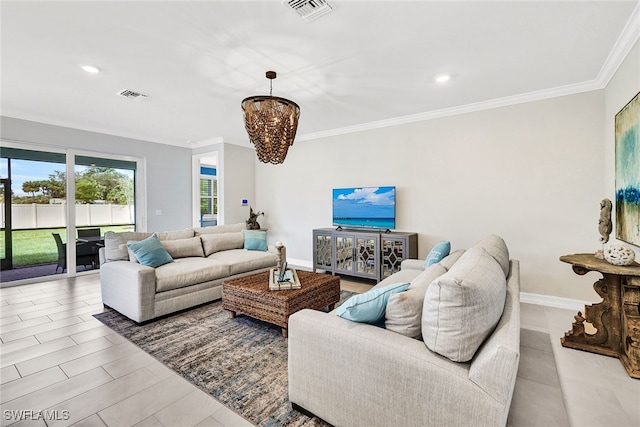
(619, 255)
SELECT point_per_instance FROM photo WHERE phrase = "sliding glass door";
(34, 208)
(5, 233)
(41, 236)
(105, 201)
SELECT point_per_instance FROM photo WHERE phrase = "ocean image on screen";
(367, 207)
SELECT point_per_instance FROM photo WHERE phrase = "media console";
(363, 253)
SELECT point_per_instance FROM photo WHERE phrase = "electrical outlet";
(245, 202)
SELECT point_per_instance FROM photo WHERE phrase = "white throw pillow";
(463, 306)
(183, 248)
(497, 248)
(404, 310)
(451, 259)
(217, 242)
(220, 229)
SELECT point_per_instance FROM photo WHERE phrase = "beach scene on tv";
(365, 207)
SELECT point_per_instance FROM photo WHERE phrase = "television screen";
(365, 207)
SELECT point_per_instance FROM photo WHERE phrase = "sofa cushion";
(497, 248)
(115, 244)
(404, 310)
(175, 235)
(150, 252)
(217, 229)
(255, 240)
(463, 306)
(216, 242)
(437, 253)
(183, 248)
(369, 307)
(241, 261)
(189, 271)
(448, 261)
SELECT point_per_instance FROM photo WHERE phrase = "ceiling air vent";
(131, 94)
(309, 9)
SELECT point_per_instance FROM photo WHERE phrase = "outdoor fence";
(53, 216)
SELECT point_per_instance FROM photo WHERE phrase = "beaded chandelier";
(271, 123)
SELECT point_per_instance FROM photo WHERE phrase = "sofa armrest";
(129, 288)
(335, 365)
(412, 264)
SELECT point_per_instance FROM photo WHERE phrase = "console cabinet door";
(394, 251)
(322, 250)
(367, 259)
(344, 250)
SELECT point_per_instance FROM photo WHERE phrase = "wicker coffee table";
(251, 296)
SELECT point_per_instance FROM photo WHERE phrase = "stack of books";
(287, 280)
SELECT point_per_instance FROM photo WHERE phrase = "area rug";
(242, 362)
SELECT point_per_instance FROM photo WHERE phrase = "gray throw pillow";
(217, 242)
(183, 248)
(463, 306)
(404, 310)
(497, 248)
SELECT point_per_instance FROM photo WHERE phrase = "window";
(208, 195)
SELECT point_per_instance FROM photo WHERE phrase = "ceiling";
(365, 64)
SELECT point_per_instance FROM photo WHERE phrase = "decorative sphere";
(619, 255)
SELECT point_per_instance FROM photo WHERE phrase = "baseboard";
(552, 301)
(301, 263)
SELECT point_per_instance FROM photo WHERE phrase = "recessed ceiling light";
(91, 69)
(442, 78)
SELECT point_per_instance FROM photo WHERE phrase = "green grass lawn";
(31, 247)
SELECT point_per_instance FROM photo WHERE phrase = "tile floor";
(58, 362)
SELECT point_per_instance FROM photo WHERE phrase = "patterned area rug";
(242, 362)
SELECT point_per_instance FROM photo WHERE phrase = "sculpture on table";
(282, 259)
(252, 222)
(604, 225)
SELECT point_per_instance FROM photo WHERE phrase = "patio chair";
(84, 253)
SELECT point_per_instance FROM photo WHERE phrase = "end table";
(616, 318)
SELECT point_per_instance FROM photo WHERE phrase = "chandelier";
(271, 123)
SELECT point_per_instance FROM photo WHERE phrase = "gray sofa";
(350, 373)
(203, 259)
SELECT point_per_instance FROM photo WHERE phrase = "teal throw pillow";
(150, 252)
(370, 306)
(255, 240)
(437, 253)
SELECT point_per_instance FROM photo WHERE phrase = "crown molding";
(628, 38)
(463, 109)
(206, 142)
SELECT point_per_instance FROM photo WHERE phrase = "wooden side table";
(616, 318)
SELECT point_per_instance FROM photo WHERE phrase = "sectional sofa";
(202, 259)
(447, 356)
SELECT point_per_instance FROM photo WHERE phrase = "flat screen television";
(365, 207)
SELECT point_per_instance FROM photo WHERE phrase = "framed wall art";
(627, 129)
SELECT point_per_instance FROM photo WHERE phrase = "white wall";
(238, 182)
(532, 173)
(168, 168)
(624, 85)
